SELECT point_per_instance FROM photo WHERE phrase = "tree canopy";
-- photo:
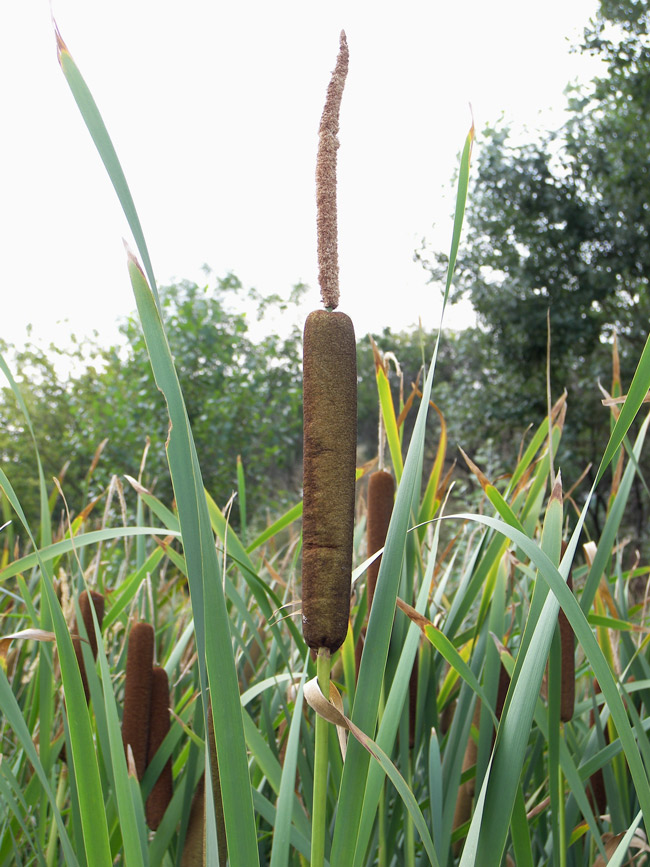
(243, 398)
(561, 224)
(558, 226)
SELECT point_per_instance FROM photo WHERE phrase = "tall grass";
(468, 595)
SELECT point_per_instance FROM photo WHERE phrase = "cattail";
(330, 441)
(381, 492)
(87, 617)
(329, 412)
(161, 793)
(568, 680)
(137, 693)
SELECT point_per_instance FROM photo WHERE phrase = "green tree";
(243, 398)
(560, 227)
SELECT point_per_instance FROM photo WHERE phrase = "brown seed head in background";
(137, 693)
(87, 617)
(162, 790)
(381, 493)
(328, 264)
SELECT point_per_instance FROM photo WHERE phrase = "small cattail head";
(87, 617)
(137, 693)
(568, 679)
(161, 793)
(381, 493)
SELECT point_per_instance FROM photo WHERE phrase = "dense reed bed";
(452, 738)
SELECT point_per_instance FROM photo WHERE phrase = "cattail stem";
(319, 815)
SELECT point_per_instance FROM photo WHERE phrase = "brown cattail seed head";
(87, 617)
(161, 793)
(329, 466)
(328, 265)
(137, 693)
(381, 492)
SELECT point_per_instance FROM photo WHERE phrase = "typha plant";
(162, 790)
(329, 414)
(137, 694)
(330, 443)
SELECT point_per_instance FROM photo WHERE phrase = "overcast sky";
(214, 107)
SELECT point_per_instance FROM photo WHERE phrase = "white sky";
(214, 107)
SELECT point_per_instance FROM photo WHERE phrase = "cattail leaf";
(214, 645)
(430, 500)
(168, 518)
(25, 634)
(447, 650)
(188, 489)
(635, 397)
(610, 530)
(520, 831)
(286, 800)
(606, 622)
(540, 437)
(99, 134)
(387, 410)
(267, 811)
(66, 546)
(265, 597)
(276, 527)
(122, 596)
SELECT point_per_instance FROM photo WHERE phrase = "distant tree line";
(557, 234)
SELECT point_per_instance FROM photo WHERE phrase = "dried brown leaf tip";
(328, 264)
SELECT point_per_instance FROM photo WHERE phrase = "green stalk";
(319, 816)
(562, 818)
(410, 830)
(61, 791)
(382, 857)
